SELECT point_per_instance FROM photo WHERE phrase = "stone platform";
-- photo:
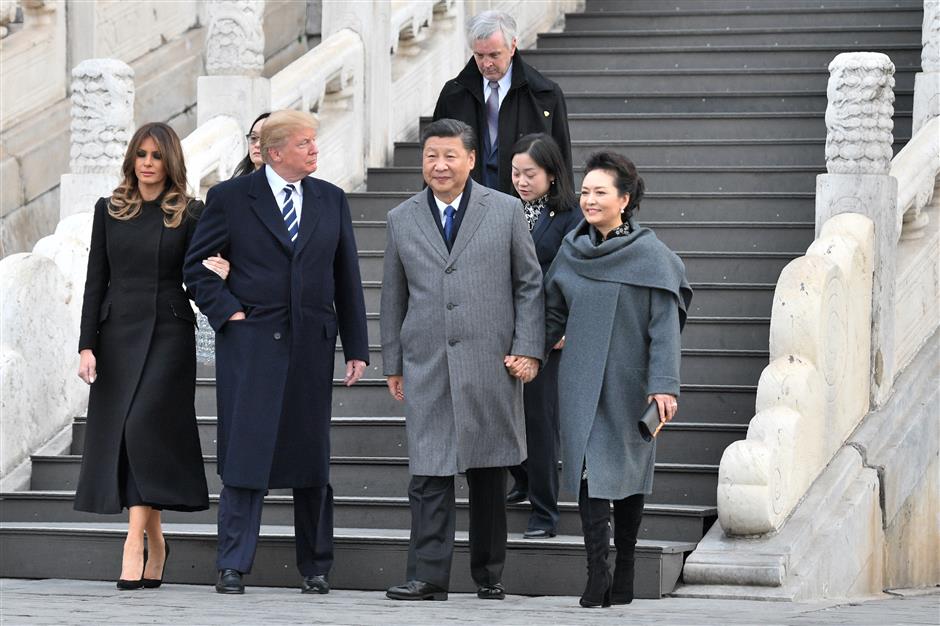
(89, 602)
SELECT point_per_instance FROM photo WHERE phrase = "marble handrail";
(214, 148)
(328, 67)
(916, 167)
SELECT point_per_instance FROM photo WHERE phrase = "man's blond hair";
(280, 125)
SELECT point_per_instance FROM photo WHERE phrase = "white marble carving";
(927, 81)
(858, 116)
(102, 115)
(235, 39)
(815, 389)
(8, 15)
(212, 152)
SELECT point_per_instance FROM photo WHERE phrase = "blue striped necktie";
(449, 223)
(290, 214)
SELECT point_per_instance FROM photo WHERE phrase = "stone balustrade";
(212, 153)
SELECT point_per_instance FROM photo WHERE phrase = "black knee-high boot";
(595, 524)
(627, 516)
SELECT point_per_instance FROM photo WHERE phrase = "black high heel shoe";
(128, 585)
(153, 583)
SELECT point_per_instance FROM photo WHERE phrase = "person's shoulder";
(325, 188)
(395, 213)
(535, 80)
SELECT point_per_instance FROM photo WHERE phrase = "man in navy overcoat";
(294, 284)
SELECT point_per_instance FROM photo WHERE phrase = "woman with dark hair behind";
(540, 180)
(252, 160)
(621, 297)
(137, 352)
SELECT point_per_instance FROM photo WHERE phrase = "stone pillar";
(858, 159)
(927, 81)
(234, 61)
(370, 19)
(102, 124)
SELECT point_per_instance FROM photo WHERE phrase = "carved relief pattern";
(102, 115)
(858, 116)
(235, 39)
(8, 15)
(930, 56)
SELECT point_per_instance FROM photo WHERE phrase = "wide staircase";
(721, 105)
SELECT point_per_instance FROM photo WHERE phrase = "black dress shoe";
(516, 496)
(153, 583)
(491, 592)
(538, 533)
(127, 585)
(230, 581)
(416, 590)
(315, 584)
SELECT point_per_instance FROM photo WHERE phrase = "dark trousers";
(240, 522)
(434, 521)
(538, 474)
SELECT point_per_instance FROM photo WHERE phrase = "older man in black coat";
(502, 98)
(293, 286)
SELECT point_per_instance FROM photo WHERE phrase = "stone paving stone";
(95, 602)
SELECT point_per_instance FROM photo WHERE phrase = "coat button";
(450, 306)
(449, 270)
(452, 342)
(277, 336)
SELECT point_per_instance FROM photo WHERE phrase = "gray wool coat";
(449, 318)
(621, 306)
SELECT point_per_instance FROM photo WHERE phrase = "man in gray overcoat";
(461, 303)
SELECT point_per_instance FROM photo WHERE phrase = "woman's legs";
(628, 513)
(132, 564)
(595, 524)
(156, 546)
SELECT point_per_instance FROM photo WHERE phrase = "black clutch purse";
(649, 423)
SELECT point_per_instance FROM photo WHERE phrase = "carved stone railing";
(916, 168)
(212, 153)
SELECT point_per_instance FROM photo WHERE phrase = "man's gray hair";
(483, 25)
(447, 127)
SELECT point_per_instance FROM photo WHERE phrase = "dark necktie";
(290, 214)
(492, 112)
(449, 213)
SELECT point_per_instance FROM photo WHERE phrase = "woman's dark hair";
(625, 177)
(245, 166)
(546, 154)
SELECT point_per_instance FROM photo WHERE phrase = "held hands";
(396, 387)
(559, 345)
(668, 407)
(87, 366)
(524, 368)
(237, 315)
(354, 371)
(217, 265)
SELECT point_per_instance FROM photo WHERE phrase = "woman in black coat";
(539, 178)
(137, 352)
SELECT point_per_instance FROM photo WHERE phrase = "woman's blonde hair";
(126, 200)
(279, 127)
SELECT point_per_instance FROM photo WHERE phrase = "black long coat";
(534, 104)
(274, 370)
(138, 321)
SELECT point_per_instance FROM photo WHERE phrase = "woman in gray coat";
(620, 297)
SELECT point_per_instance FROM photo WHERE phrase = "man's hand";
(87, 366)
(396, 387)
(525, 368)
(354, 371)
(237, 315)
(559, 345)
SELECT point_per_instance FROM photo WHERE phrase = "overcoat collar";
(311, 214)
(420, 209)
(471, 78)
(541, 224)
(265, 207)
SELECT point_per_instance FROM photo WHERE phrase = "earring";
(623, 210)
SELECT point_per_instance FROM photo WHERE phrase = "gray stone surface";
(82, 602)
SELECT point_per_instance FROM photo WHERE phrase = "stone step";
(733, 404)
(703, 126)
(704, 80)
(787, 237)
(688, 442)
(673, 483)
(741, 178)
(745, 6)
(364, 558)
(657, 205)
(752, 15)
(660, 522)
(683, 152)
(700, 57)
(874, 36)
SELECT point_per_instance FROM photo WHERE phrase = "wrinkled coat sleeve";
(211, 237)
(556, 308)
(528, 338)
(349, 301)
(665, 344)
(394, 306)
(96, 278)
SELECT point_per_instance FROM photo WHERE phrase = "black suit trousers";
(434, 523)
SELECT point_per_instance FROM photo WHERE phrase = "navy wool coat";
(274, 370)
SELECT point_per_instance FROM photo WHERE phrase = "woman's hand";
(217, 265)
(559, 345)
(87, 366)
(668, 407)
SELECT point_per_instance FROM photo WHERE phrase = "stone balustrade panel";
(815, 389)
(212, 153)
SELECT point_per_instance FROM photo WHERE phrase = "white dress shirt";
(504, 84)
(441, 205)
(277, 188)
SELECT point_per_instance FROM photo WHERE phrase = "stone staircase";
(721, 105)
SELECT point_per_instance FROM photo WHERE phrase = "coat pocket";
(105, 311)
(329, 329)
(183, 312)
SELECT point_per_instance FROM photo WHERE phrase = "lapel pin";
(552, 214)
(546, 113)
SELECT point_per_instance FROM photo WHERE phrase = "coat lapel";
(476, 211)
(541, 224)
(265, 207)
(312, 208)
(422, 215)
